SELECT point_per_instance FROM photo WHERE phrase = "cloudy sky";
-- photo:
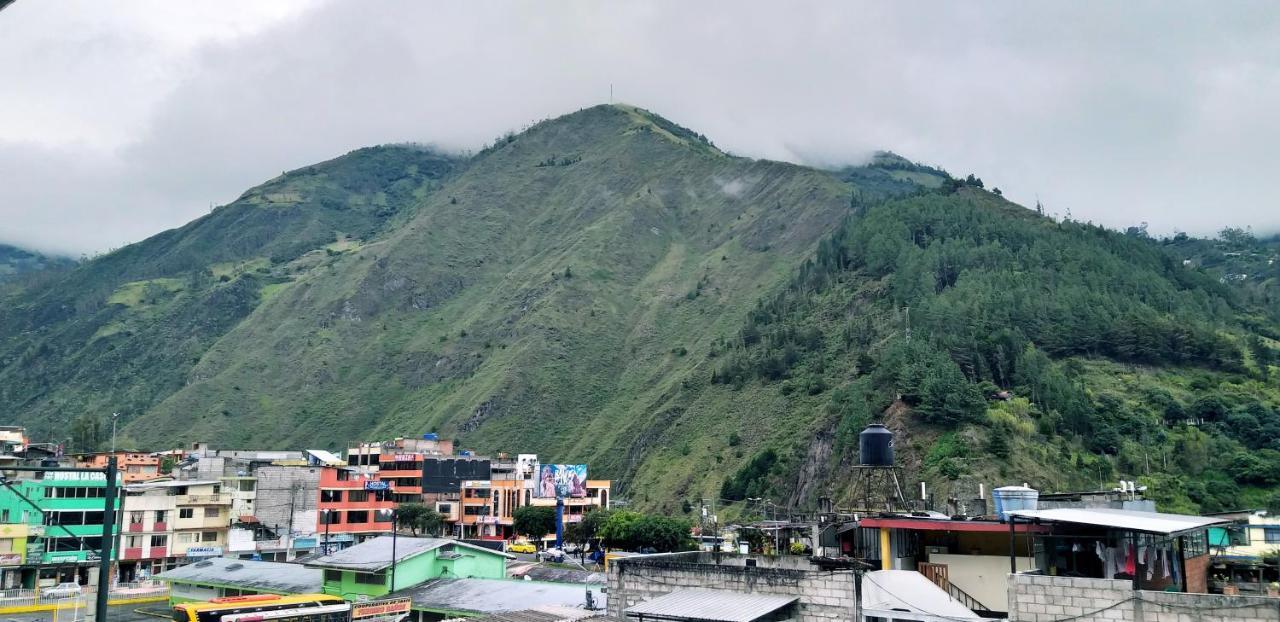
(121, 119)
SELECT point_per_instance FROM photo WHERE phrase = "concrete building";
(364, 570)
(13, 554)
(812, 593)
(135, 466)
(1043, 598)
(287, 502)
(203, 515)
(64, 514)
(354, 504)
(146, 544)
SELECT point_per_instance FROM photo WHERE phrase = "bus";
(266, 607)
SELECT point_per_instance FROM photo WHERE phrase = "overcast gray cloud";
(118, 120)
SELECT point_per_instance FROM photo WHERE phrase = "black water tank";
(875, 446)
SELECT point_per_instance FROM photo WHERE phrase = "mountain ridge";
(610, 287)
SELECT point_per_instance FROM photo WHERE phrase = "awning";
(710, 606)
(1129, 520)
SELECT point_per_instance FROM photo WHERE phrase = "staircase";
(938, 573)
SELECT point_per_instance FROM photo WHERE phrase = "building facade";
(353, 506)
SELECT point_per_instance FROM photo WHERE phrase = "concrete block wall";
(1040, 598)
(282, 488)
(824, 595)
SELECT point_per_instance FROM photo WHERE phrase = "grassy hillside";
(122, 332)
(609, 287)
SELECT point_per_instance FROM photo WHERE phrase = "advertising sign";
(377, 485)
(560, 481)
(390, 610)
(204, 551)
(10, 559)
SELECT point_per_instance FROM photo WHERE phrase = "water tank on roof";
(875, 446)
(1010, 498)
(430, 436)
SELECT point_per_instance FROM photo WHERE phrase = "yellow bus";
(264, 608)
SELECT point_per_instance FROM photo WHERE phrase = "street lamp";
(114, 416)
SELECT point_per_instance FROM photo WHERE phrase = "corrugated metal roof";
(712, 605)
(908, 590)
(1131, 520)
(263, 576)
(499, 595)
(325, 457)
(374, 555)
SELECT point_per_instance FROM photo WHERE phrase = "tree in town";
(419, 518)
(86, 433)
(534, 521)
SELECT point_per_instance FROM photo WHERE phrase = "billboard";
(559, 481)
(447, 474)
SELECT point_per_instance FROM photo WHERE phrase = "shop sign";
(10, 559)
(376, 485)
(204, 551)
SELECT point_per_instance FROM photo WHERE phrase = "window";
(358, 496)
(332, 575)
(358, 516)
(1196, 544)
(186, 513)
(1271, 535)
(477, 510)
(247, 485)
(135, 518)
(331, 496)
(133, 542)
(159, 541)
(444, 508)
(383, 516)
(383, 495)
(212, 512)
(371, 578)
(343, 475)
(330, 517)
(161, 515)
(209, 536)
(187, 538)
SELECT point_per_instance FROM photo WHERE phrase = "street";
(119, 613)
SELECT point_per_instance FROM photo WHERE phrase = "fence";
(50, 599)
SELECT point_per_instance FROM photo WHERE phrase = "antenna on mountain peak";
(610, 92)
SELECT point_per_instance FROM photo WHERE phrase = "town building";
(966, 558)
(13, 553)
(219, 577)
(453, 598)
(201, 520)
(285, 518)
(354, 504)
(134, 466)
(64, 515)
(148, 520)
(365, 570)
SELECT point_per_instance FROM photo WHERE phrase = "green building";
(219, 577)
(364, 570)
(64, 526)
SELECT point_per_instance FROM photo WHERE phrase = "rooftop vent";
(234, 566)
(204, 564)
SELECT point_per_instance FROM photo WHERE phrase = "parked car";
(62, 590)
(553, 555)
(572, 549)
(522, 547)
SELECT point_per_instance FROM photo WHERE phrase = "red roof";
(937, 524)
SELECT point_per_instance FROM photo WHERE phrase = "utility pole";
(108, 523)
(394, 519)
(114, 416)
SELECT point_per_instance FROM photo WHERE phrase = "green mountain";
(16, 262)
(610, 287)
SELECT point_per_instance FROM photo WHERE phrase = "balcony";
(135, 527)
(132, 552)
(160, 527)
(218, 499)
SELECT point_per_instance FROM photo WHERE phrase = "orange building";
(353, 506)
(135, 467)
